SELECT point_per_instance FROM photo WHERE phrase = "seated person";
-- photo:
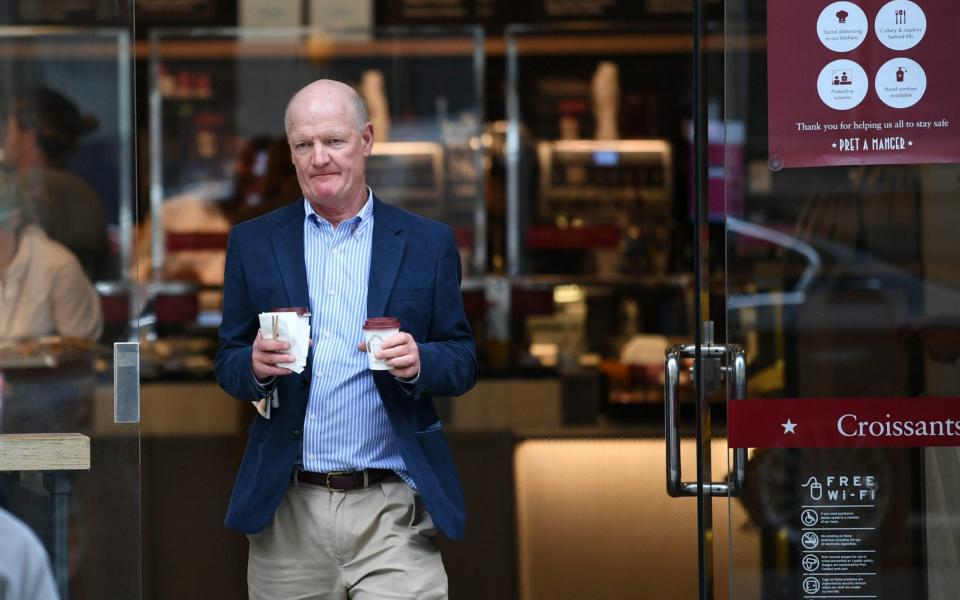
(42, 130)
(43, 289)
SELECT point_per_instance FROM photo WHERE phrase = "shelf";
(321, 49)
(325, 47)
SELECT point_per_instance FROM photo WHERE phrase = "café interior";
(604, 168)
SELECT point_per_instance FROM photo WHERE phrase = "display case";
(218, 149)
(591, 151)
(596, 164)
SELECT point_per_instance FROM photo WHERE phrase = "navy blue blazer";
(414, 276)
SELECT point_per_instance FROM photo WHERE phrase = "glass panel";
(596, 162)
(66, 219)
(591, 151)
(842, 283)
(599, 282)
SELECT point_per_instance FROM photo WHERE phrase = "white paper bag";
(290, 327)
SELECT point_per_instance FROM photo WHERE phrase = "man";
(341, 490)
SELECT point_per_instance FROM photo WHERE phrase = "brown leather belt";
(342, 481)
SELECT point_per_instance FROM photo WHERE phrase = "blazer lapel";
(385, 256)
(287, 239)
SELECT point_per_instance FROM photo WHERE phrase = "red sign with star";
(843, 422)
(862, 82)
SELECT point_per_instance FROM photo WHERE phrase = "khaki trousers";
(367, 544)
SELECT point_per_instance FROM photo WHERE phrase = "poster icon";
(842, 84)
(842, 26)
(810, 562)
(810, 540)
(900, 24)
(900, 82)
(809, 517)
(811, 585)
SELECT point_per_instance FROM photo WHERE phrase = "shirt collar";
(362, 216)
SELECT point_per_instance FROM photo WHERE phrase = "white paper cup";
(375, 330)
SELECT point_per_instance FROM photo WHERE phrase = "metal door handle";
(733, 369)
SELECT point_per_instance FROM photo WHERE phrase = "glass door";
(69, 369)
(837, 251)
(716, 366)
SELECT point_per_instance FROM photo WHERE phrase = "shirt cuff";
(408, 384)
(263, 387)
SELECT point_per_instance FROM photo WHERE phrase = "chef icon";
(842, 16)
(900, 73)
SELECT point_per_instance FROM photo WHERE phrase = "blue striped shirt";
(346, 427)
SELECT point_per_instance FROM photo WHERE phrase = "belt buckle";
(334, 474)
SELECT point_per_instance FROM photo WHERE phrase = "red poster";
(864, 82)
(843, 422)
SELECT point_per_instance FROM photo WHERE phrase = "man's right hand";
(266, 355)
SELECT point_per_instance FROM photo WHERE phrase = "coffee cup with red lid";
(375, 330)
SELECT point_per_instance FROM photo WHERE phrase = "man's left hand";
(400, 351)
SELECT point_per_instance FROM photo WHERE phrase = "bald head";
(330, 138)
(326, 90)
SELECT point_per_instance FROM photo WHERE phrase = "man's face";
(328, 151)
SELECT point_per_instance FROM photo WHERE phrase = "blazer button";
(305, 384)
(295, 435)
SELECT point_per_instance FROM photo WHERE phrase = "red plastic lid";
(300, 310)
(382, 323)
